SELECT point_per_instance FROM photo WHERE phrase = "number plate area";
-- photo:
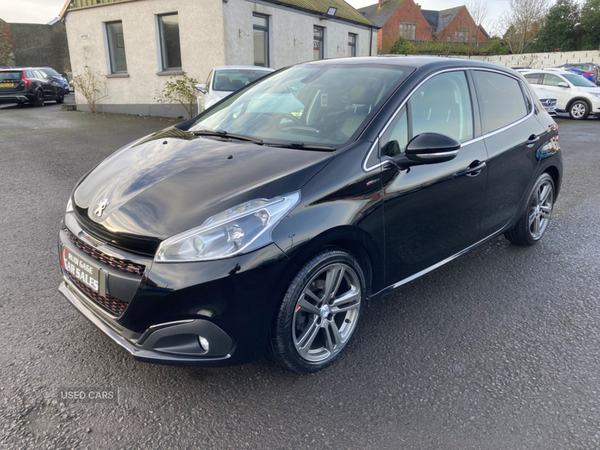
(84, 271)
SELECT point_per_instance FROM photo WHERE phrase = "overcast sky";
(43, 11)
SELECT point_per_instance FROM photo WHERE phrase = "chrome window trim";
(464, 144)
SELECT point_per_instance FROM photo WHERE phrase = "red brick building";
(405, 18)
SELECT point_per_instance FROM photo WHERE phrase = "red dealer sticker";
(81, 269)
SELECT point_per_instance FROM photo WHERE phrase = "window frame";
(413, 30)
(322, 54)
(161, 44)
(109, 51)
(478, 134)
(267, 30)
(354, 45)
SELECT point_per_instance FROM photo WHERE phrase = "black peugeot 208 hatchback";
(270, 221)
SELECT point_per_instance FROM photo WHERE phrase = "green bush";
(401, 47)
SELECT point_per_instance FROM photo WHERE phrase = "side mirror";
(201, 87)
(392, 148)
(432, 148)
(562, 84)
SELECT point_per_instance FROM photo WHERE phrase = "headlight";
(241, 229)
(69, 206)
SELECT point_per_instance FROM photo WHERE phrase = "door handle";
(531, 141)
(475, 168)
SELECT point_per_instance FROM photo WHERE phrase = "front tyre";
(319, 312)
(534, 220)
(579, 110)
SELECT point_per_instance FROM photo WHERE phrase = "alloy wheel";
(540, 209)
(578, 110)
(326, 313)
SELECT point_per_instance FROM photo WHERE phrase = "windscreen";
(317, 104)
(578, 80)
(232, 80)
(10, 76)
(51, 72)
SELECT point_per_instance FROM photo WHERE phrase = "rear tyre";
(534, 220)
(319, 312)
(61, 98)
(39, 100)
(579, 110)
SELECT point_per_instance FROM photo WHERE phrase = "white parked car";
(547, 100)
(574, 94)
(223, 81)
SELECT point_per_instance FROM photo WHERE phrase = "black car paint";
(24, 93)
(398, 223)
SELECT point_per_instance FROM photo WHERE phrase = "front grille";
(111, 304)
(124, 265)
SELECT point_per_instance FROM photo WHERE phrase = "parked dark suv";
(28, 85)
(270, 221)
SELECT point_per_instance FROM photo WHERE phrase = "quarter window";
(170, 51)
(319, 43)
(260, 25)
(533, 78)
(116, 47)
(352, 38)
(443, 105)
(395, 139)
(501, 100)
(408, 30)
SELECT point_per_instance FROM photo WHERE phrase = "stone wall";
(40, 45)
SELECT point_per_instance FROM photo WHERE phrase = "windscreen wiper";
(225, 134)
(303, 146)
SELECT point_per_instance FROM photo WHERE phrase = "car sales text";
(81, 270)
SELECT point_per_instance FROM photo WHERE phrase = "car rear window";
(501, 100)
(10, 76)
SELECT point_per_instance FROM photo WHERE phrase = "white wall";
(291, 34)
(202, 48)
(542, 60)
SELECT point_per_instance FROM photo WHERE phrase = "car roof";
(552, 71)
(259, 68)
(416, 62)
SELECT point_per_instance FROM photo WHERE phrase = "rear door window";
(501, 100)
(534, 78)
(443, 105)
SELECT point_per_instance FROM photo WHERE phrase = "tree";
(401, 47)
(590, 24)
(559, 32)
(522, 23)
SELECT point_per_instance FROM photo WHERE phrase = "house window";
(352, 38)
(116, 47)
(408, 30)
(461, 36)
(319, 43)
(261, 39)
(170, 51)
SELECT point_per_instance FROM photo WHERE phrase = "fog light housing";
(204, 343)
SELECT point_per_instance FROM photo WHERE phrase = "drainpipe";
(371, 42)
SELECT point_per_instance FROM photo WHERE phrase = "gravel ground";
(498, 349)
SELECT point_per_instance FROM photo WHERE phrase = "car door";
(47, 84)
(433, 211)
(513, 135)
(563, 94)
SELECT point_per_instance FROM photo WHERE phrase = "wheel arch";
(573, 100)
(351, 239)
(555, 174)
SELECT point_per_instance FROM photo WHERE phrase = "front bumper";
(147, 347)
(230, 303)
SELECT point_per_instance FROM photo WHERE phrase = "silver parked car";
(223, 81)
(547, 100)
